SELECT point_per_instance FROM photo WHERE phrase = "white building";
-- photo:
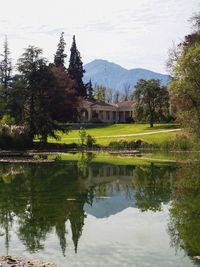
(106, 112)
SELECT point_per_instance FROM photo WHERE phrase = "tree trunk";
(44, 139)
(151, 119)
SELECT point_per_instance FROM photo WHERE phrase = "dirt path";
(127, 135)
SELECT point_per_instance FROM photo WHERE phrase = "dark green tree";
(6, 66)
(49, 94)
(16, 97)
(90, 90)
(184, 87)
(76, 70)
(153, 97)
(59, 58)
(184, 220)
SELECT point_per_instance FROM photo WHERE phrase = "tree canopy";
(48, 94)
(185, 85)
(59, 58)
(151, 98)
(76, 70)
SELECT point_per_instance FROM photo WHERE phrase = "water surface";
(82, 213)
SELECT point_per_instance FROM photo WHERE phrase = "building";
(106, 112)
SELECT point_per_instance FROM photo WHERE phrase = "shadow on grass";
(162, 127)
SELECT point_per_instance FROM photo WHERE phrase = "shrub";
(96, 120)
(20, 137)
(90, 141)
(5, 136)
(130, 120)
(14, 137)
(8, 120)
(123, 144)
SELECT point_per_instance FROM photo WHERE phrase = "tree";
(6, 66)
(100, 93)
(76, 70)
(29, 65)
(153, 97)
(16, 97)
(59, 58)
(90, 90)
(109, 95)
(116, 96)
(126, 92)
(49, 94)
(185, 89)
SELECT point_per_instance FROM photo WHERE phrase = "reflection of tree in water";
(43, 197)
(184, 226)
(153, 186)
(39, 196)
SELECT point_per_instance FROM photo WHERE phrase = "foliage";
(82, 135)
(49, 94)
(184, 211)
(14, 137)
(185, 89)
(90, 141)
(76, 70)
(124, 144)
(7, 119)
(59, 58)
(89, 90)
(152, 187)
(152, 98)
(6, 67)
(100, 93)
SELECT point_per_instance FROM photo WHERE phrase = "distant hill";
(102, 208)
(103, 72)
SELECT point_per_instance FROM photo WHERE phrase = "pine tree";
(76, 70)
(89, 90)
(59, 58)
(6, 66)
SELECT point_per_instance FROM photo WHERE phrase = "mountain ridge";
(112, 75)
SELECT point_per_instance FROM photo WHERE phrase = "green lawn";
(121, 129)
(104, 157)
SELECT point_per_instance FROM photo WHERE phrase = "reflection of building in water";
(103, 174)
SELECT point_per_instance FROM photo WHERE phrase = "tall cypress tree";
(76, 70)
(6, 66)
(59, 58)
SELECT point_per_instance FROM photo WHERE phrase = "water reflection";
(184, 223)
(41, 198)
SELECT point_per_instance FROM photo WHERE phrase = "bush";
(20, 137)
(14, 137)
(8, 120)
(95, 120)
(5, 136)
(90, 141)
(130, 120)
(123, 144)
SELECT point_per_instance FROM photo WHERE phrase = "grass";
(121, 129)
(104, 157)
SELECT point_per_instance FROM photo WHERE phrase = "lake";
(84, 212)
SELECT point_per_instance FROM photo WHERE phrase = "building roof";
(127, 103)
(92, 104)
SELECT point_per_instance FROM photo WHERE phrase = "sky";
(131, 33)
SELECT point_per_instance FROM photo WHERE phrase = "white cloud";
(130, 32)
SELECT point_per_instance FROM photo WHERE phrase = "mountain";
(105, 207)
(103, 72)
